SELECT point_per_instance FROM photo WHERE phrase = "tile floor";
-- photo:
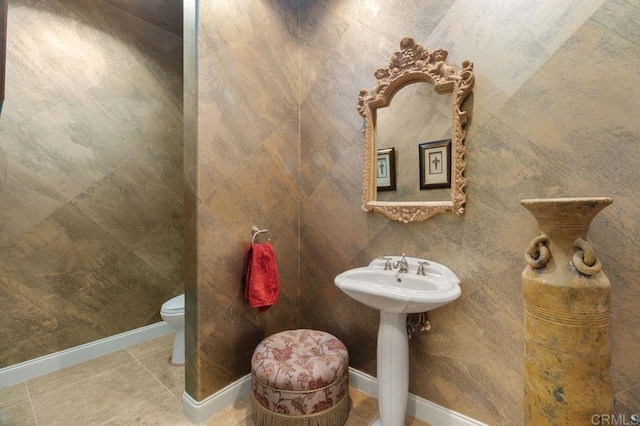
(133, 386)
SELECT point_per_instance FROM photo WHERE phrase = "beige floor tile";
(165, 409)
(99, 397)
(15, 407)
(17, 413)
(178, 391)
(155, 356)
(248, 421)
(410, 421)
(159, 343)
(354, 420)
(68, 376)
(235, 414)
(13, 393)
(363, 406)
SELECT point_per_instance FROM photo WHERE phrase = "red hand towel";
(261, 286)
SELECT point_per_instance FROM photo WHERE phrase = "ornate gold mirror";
(414, 146)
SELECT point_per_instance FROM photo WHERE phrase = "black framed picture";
(435, 164)
(386, 169)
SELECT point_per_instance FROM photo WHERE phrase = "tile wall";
(91, 194)
(244, 173)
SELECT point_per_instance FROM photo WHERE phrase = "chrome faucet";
(402, 265)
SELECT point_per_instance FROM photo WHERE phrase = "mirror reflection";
(417, 115)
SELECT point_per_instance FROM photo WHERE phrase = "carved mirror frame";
(3, 47)
(413, 63)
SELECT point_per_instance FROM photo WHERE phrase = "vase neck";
(565, 219)
(564, 227)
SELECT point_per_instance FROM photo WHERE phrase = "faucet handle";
(421, 266)
(387, 263)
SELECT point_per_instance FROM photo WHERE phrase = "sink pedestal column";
(393, 369)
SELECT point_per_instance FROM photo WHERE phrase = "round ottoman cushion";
(300, 372)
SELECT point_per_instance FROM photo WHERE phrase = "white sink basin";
(395, 292)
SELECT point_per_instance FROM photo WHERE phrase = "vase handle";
(538, 254)
(584, 259)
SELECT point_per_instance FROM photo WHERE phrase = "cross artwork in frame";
(386, 169)
(435, 164)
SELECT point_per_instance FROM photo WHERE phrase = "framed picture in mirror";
(386, 169)
(435, 164)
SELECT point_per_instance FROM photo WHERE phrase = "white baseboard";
(421, 409)
(200, 411)
(435, 414)
(363, 382)
(417, 407)
(57, 361)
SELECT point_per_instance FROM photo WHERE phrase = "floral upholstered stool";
(300, 377)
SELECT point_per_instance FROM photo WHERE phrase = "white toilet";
(172, 312)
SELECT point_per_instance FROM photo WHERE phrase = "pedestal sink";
(397, 294)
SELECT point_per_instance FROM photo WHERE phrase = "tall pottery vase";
(566, 316)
